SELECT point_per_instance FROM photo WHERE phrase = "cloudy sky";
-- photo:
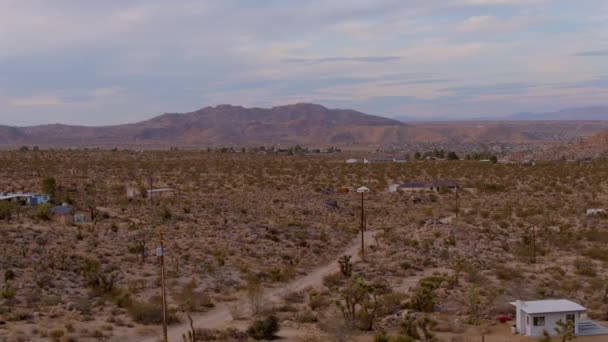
(115, 61)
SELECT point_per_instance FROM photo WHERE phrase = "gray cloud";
(593, 53)
(367, 59)
(493, 89)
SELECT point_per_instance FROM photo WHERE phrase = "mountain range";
(223, 125)
(590, 113)
(305, 124)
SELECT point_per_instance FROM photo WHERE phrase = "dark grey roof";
(60, 210)
(417, 185)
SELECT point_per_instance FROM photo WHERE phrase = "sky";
(106, 62)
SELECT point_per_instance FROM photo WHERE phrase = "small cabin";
(594, 212)
(133, 192)
(161, 193)
(533, 318)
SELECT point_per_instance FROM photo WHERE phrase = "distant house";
(62, 214)
(161, 193)
(82, 216)
(535, 317)
(436, 186)
(357, 161)
(133, 192)
(446, 184)
(416, 187)
(594, 212)
(8, 197)
(384, 160)
(25, 198)
(36, 199)
(393, 188)
(66, 215)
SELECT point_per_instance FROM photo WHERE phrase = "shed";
(416, 186)
(82, 216)
(393, 188)
(533, 318)
(132, 192)
(62, 214)
(162, 192)
(593, 212)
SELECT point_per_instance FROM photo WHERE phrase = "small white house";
(535, 317)
(133, 192)
(393, 188)
(593, 212)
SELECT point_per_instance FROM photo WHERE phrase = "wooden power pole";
(160, 252)
(533, 244)
(362, 190)
(362, 229)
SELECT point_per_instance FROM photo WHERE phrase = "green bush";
(585, 267)
(6, 210)
(264, 329)
(149, 312)
(44, 211)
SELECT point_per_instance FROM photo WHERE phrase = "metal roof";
(417, 185)
(60, 210)
(548, 306)
(5, 196)
(161, 190)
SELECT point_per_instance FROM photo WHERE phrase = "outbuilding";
(161, 193)
(533, 318)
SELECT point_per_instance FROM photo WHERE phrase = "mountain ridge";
(224, 124)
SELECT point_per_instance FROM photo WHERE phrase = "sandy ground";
(221, 316)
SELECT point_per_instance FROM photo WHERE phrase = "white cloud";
(478, 23)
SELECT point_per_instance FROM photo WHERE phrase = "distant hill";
(305, 124)
(591, 148)
(302, 123)
(593, 113)
(582, 113)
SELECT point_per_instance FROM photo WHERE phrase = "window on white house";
(570, 318)
(539, 321)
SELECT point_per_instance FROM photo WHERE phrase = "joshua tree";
(346, 266)
(565, 330)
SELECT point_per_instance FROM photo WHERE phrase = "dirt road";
(221, 315)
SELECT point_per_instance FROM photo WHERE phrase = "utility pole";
(150, 192)
(533, 244)
(362, 229)
(362, 190)
(457, 209)
(160, 254)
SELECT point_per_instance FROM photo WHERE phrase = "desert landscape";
(249, 237)
(304, 171)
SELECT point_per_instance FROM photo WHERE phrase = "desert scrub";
(585, 267)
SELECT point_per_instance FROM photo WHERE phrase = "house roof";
(548, 306)
(5, 196)
(417, 185)
(60, 210)
(161, 190)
